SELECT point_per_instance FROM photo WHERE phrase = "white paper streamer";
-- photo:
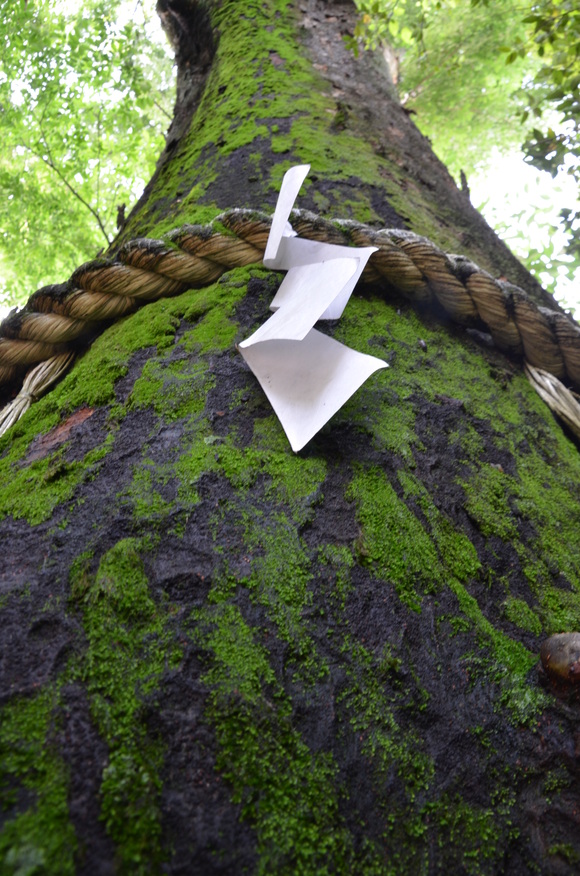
(303, 298)
(280, 227)
(295, 253)
(306, 375)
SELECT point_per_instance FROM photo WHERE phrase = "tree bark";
(222, 657)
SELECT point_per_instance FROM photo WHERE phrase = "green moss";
(269, 435)
(196, 460)
(292, 480)
(449, 367)
(176, 389)
(519, 613)
(286, 791)
(146, 501)
(128, 649)
(487, 502)
(412, 826)
(91, 384)
(372, 719)
(458, 623)
(278, 578)
(396, 432)
(399, 549)
(559, 609)
(278, 573)
(540, 499)
(549, 495)
(339, 561)
(508, 663)
(467, 441)
(309, 139)
(455, 550)
(217, 330)
(565, 851)
(556, 780)
(37, 836)
(479, 834)
(34, 491)
(546, 496)
(392, 541)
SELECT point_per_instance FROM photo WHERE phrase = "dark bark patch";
(85, 755)
(197, 810)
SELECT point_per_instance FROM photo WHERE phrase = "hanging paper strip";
(306, 375)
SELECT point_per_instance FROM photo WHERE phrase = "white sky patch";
(520, 202)
(17, 88)
(4, 308)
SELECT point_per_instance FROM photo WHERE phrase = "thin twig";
(99, 160)
(160, 108)
(50, 163)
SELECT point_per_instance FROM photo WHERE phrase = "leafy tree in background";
(84, 99)
(556, 86)
(448, 55)
(499, 66)
(556, 37)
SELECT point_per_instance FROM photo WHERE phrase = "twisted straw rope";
(57, 319)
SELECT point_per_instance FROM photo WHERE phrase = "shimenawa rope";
(56, 320)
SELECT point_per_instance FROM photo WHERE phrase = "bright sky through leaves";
(484, 77)
(86, 94)
(523, 205)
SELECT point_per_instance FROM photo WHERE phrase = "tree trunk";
(222, 657)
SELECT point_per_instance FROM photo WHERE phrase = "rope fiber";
(58, 321)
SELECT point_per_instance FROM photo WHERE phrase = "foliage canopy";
(84, 98)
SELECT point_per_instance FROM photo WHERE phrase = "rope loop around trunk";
(57, 320)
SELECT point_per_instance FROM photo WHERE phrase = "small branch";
(99, 141)
(50, 163)
(164, 111)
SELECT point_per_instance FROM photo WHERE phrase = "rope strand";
(53, 323)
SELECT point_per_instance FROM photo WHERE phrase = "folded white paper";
(308, 381)
(309, 292)
(295, 252)
(289, 189)
(306, 375)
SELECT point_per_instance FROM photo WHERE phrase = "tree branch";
(160, 108)
(50, 163)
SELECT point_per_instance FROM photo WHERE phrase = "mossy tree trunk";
(221, 657)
